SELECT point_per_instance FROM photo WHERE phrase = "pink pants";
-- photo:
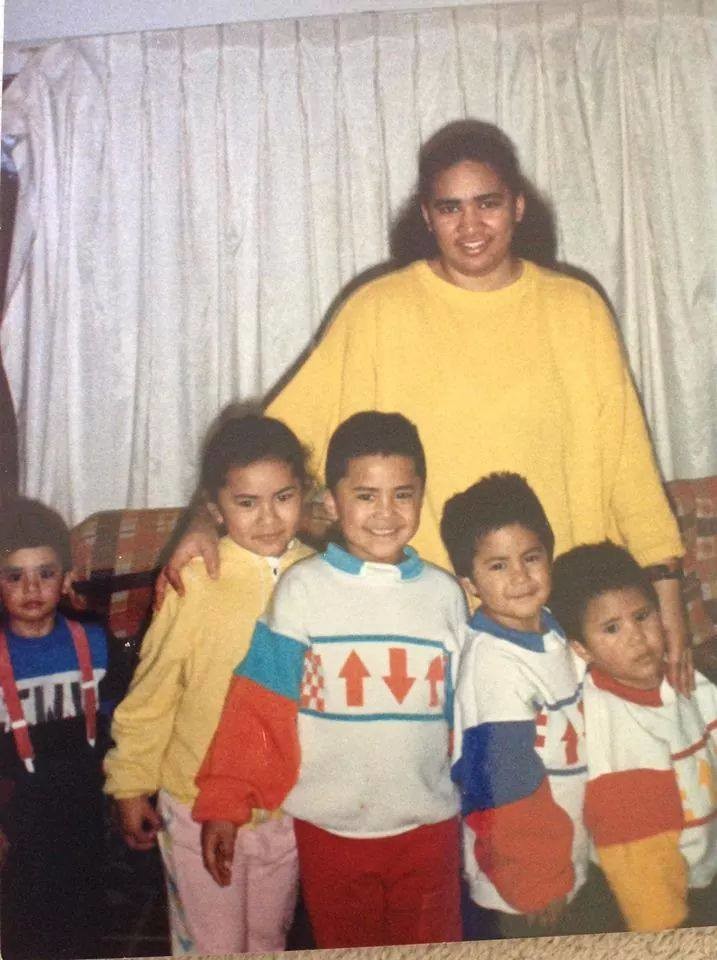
(254, 912)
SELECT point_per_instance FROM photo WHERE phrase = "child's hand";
(218, 837)
(138, 821)
(548, 916)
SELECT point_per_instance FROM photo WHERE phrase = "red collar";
(644, 698)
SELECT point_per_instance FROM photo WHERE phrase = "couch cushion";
(117, 555)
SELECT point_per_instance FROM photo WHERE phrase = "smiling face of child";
(378, 506)
(260, 506)
(511, 577)
(623, 637)
(31, 585)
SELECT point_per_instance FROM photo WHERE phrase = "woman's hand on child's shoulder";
(138, 821)
(201, 541)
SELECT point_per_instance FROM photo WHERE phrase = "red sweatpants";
(382, 891)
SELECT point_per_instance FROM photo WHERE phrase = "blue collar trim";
(523, 638)
(408, 569)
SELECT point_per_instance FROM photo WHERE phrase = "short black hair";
(369, 433)
(26, 523)
(587, 572)
(468, 140)
(240, 441)
(496, 501)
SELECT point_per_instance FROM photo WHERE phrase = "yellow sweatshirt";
(163, 726)
(529, 378)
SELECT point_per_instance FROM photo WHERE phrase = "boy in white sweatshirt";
(651, 797)
(341, 711)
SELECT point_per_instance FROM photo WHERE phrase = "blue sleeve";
(498, 765)
(274, 661)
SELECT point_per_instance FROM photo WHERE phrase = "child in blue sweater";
(50, 767)
(520, 761)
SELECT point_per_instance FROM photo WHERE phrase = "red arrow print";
(570, 739)
(354, 672)
(434, 676)
(398, 681)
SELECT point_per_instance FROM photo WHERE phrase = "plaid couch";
(695, 505)
(118, 553)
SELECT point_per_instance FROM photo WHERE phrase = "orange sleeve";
(525, 849)
(632, 805)
(253, 759)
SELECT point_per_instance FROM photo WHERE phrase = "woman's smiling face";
(473, 215)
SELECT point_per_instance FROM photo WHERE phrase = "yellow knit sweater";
(163, 726)
(529, 378)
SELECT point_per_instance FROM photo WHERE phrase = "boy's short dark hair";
(373, 433)
(242, 440)
(588, 571)
(26, 523)
(496, 501)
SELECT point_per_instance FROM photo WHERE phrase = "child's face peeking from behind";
(31, 585)
(378, 506)
(623, 637)
(260, 506)
(511, 577)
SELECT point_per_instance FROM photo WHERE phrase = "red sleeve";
(253, 759)
(525, 849)
(632, 805)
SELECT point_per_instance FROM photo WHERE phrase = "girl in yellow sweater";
(254, 475)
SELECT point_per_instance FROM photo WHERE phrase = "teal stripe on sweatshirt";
(274, 661)
(386, 639)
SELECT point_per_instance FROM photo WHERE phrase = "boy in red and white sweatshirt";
(651, 797)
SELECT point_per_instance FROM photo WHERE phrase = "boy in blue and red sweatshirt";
(50, 764)
(341, 710)
(520, 760)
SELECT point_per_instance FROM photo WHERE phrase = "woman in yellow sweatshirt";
(502, 365)
(254, 473)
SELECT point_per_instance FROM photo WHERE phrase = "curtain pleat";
(192, 201)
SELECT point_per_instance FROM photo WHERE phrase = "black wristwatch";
(660, 571)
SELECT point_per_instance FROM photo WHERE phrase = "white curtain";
(192, 201)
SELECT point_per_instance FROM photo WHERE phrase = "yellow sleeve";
(144, 721)
(649, 880)
(337, 379)
(637, 502)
